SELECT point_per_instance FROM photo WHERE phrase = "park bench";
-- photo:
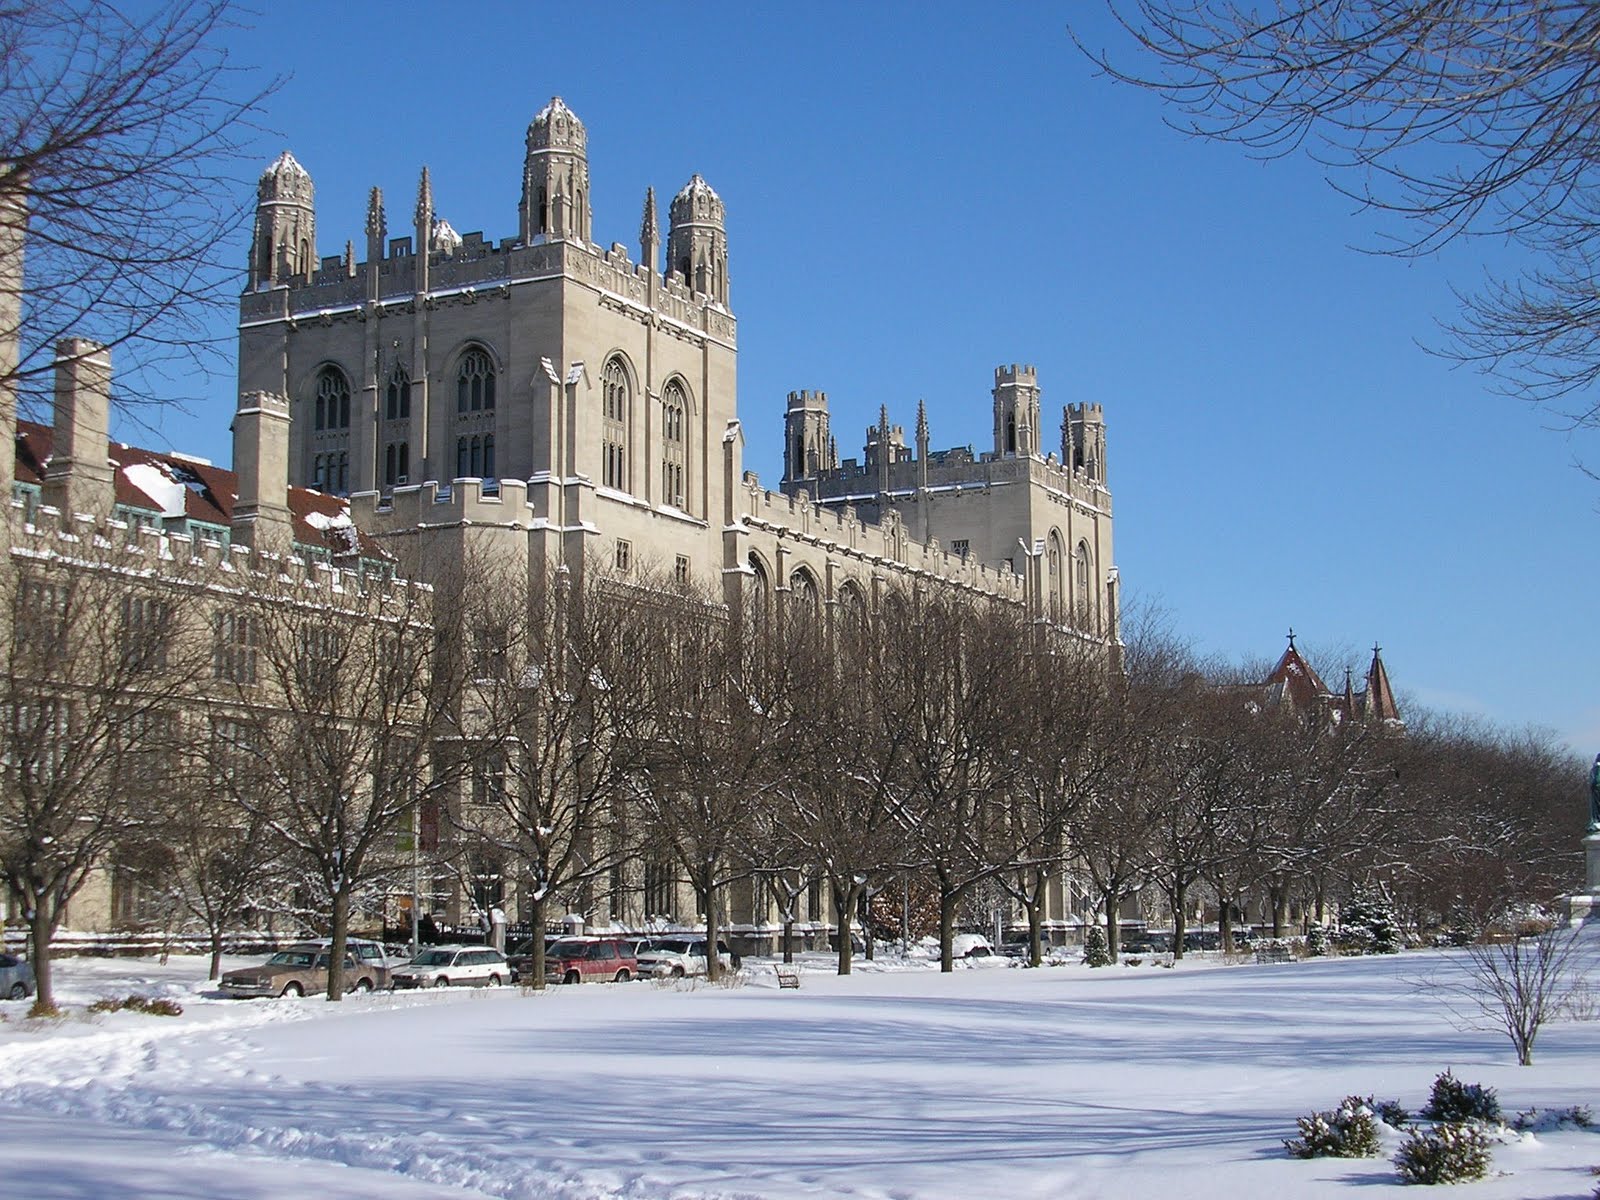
(1273, 954)
(788, 977)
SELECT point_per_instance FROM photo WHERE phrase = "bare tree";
(94, 662)
(118, 134)
(1458, 116)
(554, 720)
(1515, 982)
(722, 695)
(347, 692)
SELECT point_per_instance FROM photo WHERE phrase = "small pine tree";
(1444, 1154)
(1096, 952)
(1453, 1102)
(1349, 1131)
(1367, 925)
(1317, 940)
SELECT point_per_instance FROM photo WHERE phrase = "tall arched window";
(674, 445)
(1080, 571)
(852, 617)
(475, 382)
(615, 406)
(1055, 581)
(397, 396)
(760, 594)
(333, 399)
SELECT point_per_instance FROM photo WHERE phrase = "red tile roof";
(208, 492)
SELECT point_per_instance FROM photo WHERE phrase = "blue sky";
(917, 194)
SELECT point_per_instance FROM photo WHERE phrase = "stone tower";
(284, 248)
(808, 447)
(1016, 412)
(555, 177)
(1083, 440)
(697, 240)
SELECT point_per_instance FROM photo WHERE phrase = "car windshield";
(433, 958)
(567, 949)
(682, 947)
(290, 958)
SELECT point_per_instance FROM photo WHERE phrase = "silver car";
(16, 978)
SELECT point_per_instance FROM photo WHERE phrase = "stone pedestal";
(1585, 905)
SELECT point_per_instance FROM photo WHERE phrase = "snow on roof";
(165, 492)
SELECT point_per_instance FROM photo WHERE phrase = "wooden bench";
(788, 977)
(1273, 954)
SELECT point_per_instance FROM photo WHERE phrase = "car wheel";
(292, 989)
(19, 991)
(494, 981)
(573, 977)
(363, 985)
(623, 976)
(441, 982)
(677, 972)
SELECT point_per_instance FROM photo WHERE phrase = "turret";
(1083, 440)
(555, 177)
(808, 448)
(697, 240)
(1016, 411)
(284, 247)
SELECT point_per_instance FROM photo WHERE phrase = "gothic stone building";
(572, 405)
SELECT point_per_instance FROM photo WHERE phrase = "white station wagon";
(446, 966)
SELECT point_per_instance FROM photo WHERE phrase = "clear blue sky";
(918, 193)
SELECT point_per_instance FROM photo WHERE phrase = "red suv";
(576, 959)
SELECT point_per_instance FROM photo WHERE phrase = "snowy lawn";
(1061, 1082)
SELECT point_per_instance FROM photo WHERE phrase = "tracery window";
(475, 382)
(396, 463)
(333, 399)
(674, 444)
(397, 396)
(614, 427)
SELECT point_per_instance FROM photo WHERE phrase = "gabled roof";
(1296, 677)
(173, 487)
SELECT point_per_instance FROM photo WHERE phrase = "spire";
(650, 233)
(377, 225)
(922, 443)
(424, 214)
(922, 421)
(1349, 694)
(1380, 696)
(883, 447)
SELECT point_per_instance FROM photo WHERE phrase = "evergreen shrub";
(1096, 952)
(1349, 1131)
(1447, 1153)
(1452, 1101)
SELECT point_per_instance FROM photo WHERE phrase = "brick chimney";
(80, 477)
(261, 463)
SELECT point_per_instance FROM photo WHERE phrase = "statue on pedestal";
(1594, 796)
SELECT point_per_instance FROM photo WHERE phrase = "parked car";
(676, 957)
(16, 978)
(299, 970)
(577, 959)
(970, 945)
(444, 966)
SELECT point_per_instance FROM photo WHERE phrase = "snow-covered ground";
(1061, 1082)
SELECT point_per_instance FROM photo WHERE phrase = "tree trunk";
(947, 931)
(339, 939)
(1225, 924)
(1113, 905)
(1180, 922)
(1278, 893)
(1032, 907)
(788, 931)
(538, 906)
(713, 962)
(216, 954)
(844, 909)
(40, 927)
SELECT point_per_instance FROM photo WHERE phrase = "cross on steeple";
(1291, 637)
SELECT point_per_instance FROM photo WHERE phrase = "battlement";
(884, 544)
(806, 398)
(1024, 374)
(155, 556)
(460, 502)
(1079, 412)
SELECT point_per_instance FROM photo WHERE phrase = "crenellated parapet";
(434, 505)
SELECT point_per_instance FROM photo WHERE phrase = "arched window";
(475, 382)
(1080, 570)
(674, 445)
(333, 399)
(616, 403)
(396, 463)
(852, 616)
(1055, 581)
(760, 594)
(397, 396)
(1011, 433)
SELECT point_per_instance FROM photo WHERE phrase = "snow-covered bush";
(1367, 925)
(1545, 1120)
(1390, 1112)
(1452, 1101)
(1096, 953)
(1317, 940)
(1443, 1154)
(1349, 1131)
(144, 1004)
